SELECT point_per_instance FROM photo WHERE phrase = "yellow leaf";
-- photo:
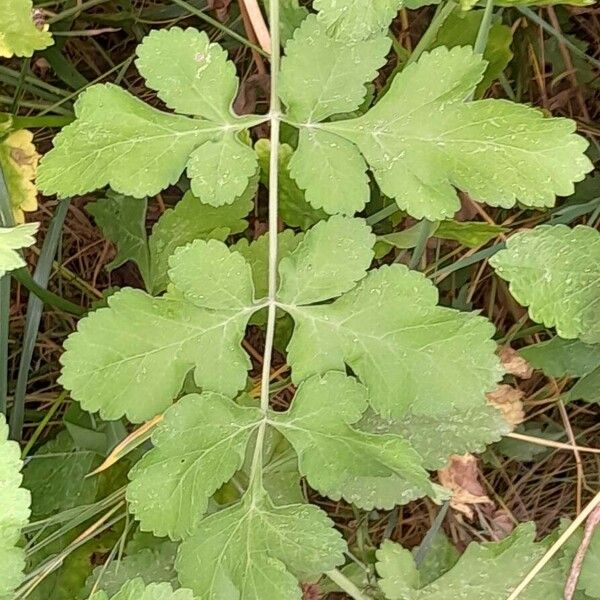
(19, 35)
(19, 160)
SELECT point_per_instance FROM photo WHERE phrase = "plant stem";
(345, 584)
(275, 122)
(38, 122)
(425, 230)
(35, 306)
(6, 219)
(484, 29)
(24, 278)
(75, 10)
(442, 13)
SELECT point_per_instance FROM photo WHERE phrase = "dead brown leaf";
(461, 477)
(514, 363)
(510, 401)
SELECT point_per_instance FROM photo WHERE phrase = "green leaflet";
(340, 245)
(322, 76)
(190, 74)
(123, 222)
(118, 140)
(132, 358)
(18, 34)
(198, 447)
(487, 571)
(293, 207)
(137, 590)
(356, 20)
(56, 476)
(15, 502)
(189, 220)
(560, 358)
(341, 461)
(152, 565)
(457, 431)
(255, 550)
(422, 140)
(12, 239)
(555, 272)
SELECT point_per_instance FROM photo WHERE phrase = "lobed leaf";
(357, 19)
(255, 550)
(391, 333)
(131, 358)
(15, 502)
(555, 272)
(118, 140)
(137, 590)
(198, 446)
(13, 239)
(341, 461)
(340, 245)
(323, 76)
(486, 571)
(191, 75)
(56, 476)
(18, 34)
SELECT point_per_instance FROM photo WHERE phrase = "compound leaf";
(555, 271)
(357, 19)
(13, 239)
(198, 446)
(322, 76)
(118, 140)
(19, 161)
(339, 460)
(137, 590)
(332, 172)
(18, 34)
(488, 571)
(190, 220)
(132, 357)
(391, 333)
(191, 75)
(15, 502)
(123, 221)
(340, 245)
(56, 476)
(422, 140)
(255, 550)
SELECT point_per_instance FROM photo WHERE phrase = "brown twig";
(588, 532)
